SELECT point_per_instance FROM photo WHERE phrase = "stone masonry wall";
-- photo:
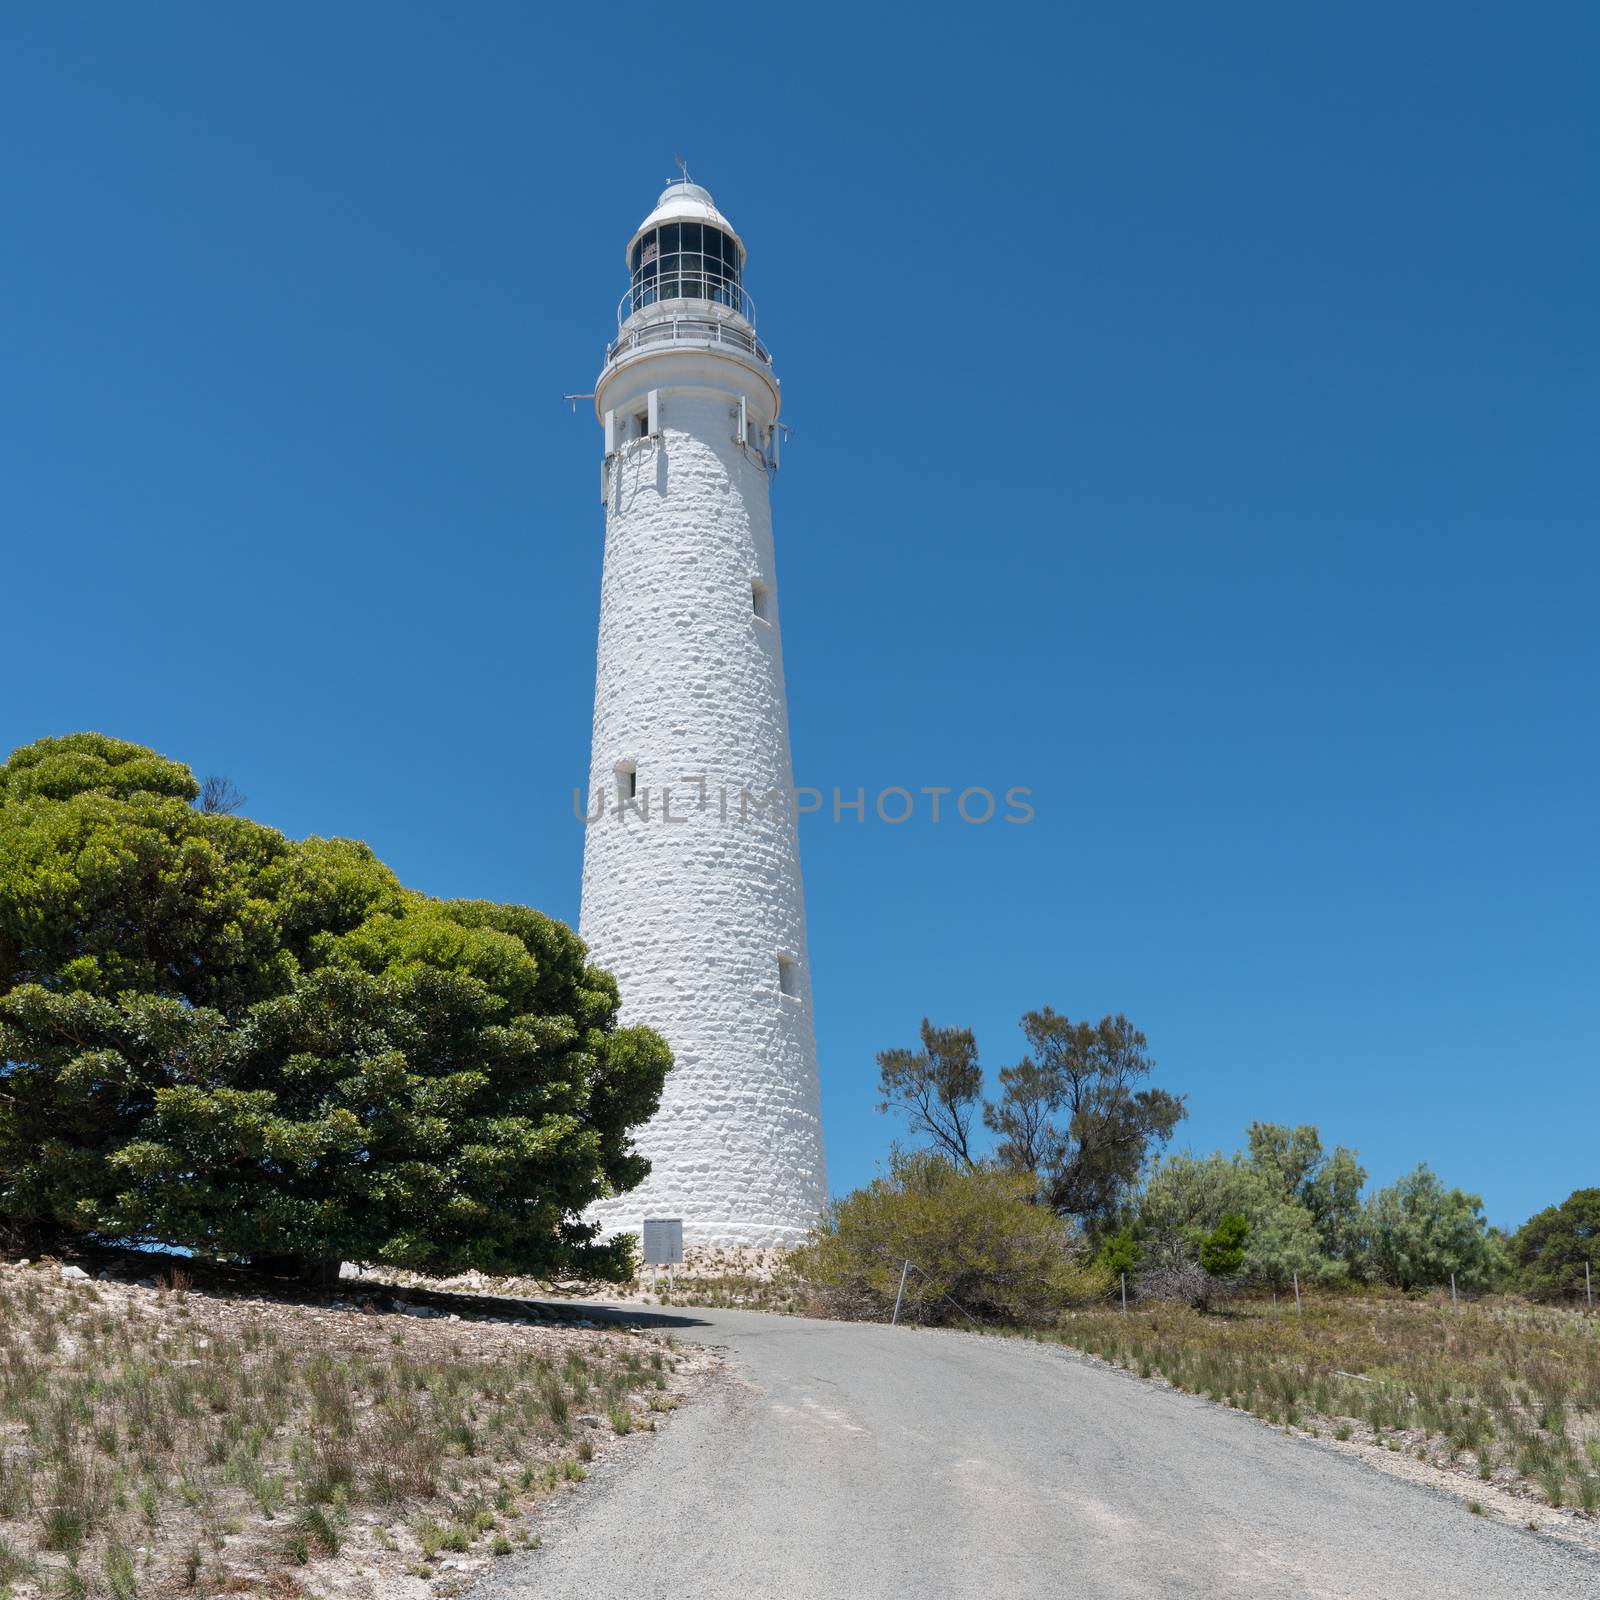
(692, 915)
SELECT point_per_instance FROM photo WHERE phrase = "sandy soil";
(60, 1321)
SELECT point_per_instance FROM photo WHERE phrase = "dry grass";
(727, 1277)
(159, 1441)
(1497, 1390)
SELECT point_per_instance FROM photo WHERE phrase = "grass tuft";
(1495, 1389)
(151, 1440)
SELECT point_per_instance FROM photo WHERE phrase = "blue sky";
(1194, 421)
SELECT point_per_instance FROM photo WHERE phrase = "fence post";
(899, 1293)
(1588, 1286)
(1125, 1292)
(1297, 1294)
(1452, 1288)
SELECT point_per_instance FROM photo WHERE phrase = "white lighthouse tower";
(691, 876)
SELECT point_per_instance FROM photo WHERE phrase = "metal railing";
(685, 277)
(689, 330)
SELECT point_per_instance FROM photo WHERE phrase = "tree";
(1284, 1247)
(1333, 1197)
(1419, 1233)
(1030, 1141)
(220, 1038)
(1328, 1186)
(1187, 1197)
(1291, 1155)
(1550, 1251)
(219, 798)
(936, 1087)
(1072, 1112)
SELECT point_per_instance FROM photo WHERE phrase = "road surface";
(855, 1461)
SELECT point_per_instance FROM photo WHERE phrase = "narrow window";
(761, 600)
(642, 422)
(789, 977)
(627, 781)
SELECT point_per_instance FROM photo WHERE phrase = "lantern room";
(686, 250)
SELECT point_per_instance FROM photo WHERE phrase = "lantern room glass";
(685, 261)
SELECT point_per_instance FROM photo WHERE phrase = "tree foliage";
(1120, 1252)
(1077, 1114)
(1419, 1233)
(976, 1242)
(1550, 1251)
(1327, 1184)
(936, 1087)
(218, 1037)
(1187, 1198)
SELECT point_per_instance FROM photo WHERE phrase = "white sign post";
(662, 1238)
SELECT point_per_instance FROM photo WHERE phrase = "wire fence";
(909, 1266)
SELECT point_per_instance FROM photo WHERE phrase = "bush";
(1222, 1250)
(217, 1037)
(1171, 1273)
(975, 1237)
(1120, 1254)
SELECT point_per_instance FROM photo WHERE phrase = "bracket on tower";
(573, 400)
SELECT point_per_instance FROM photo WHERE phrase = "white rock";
(74, 1273)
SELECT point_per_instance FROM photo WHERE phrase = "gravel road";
(861, 1461)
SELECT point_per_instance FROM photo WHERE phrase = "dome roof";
(682, 201)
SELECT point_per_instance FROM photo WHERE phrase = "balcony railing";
(670, 327)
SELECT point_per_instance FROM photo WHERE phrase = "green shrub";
(977, 1242)
(1222, 1250)
(1120, 1254)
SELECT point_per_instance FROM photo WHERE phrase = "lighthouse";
(692, 894)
